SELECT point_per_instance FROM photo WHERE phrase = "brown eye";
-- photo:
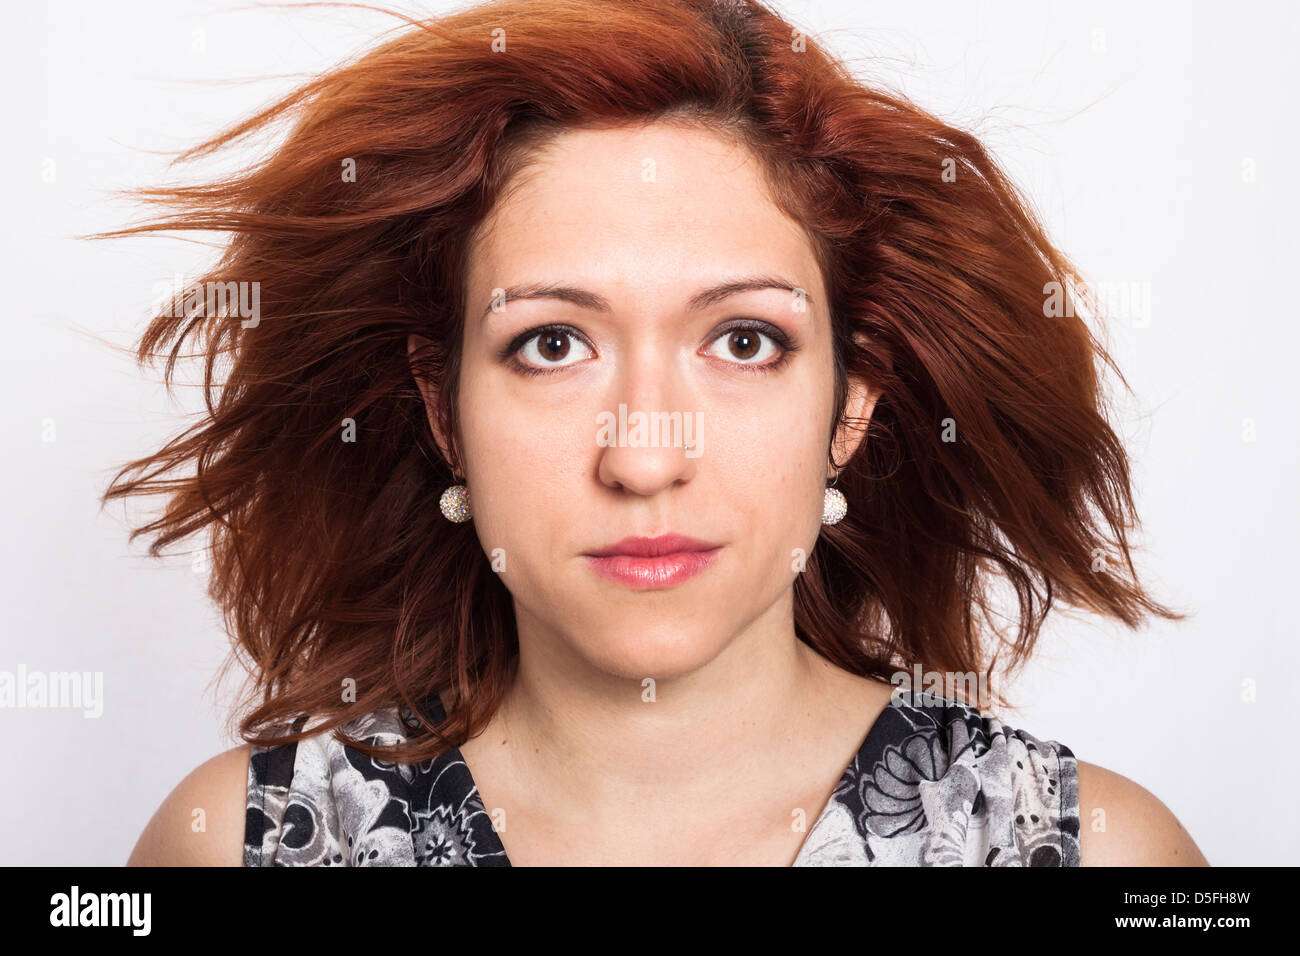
(745, 347)
(553, 348)
(743, 343)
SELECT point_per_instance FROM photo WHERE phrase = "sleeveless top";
(935, 783)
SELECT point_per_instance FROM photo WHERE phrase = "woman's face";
(629, 228)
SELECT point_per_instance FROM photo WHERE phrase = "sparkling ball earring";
(834, 507)
(455, 504)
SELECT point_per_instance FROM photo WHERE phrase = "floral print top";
(935, 783)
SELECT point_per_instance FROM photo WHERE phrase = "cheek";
(525, 479)
(765, 468)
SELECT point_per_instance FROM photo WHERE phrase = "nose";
(644, 444)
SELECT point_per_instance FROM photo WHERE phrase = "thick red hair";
(989, 456)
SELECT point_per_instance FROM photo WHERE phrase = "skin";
(588, 770)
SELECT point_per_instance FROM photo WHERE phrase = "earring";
(834, 507)
(455, 504)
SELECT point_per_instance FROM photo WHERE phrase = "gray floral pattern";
(316, 802)
(935, 783)
(938, 783)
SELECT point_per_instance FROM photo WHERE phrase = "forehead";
(651, 203)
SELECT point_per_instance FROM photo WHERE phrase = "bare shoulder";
(201, 822)
(1133, 828)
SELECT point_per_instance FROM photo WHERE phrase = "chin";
(637, 651)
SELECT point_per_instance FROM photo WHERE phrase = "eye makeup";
(783, 342)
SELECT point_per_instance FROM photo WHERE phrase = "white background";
(1131, 127)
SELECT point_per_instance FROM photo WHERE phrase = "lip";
(648, 563)
(664, 544)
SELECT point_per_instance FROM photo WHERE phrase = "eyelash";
(786, 344)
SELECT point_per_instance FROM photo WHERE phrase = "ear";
(417, 346)
(852, 429)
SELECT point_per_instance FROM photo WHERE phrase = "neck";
(579, 740)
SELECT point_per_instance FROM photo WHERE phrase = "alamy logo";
(967, 686)
(102, 909)
(53, 689)
(210, 299)
(650, 430)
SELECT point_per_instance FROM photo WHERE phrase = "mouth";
(650, 563)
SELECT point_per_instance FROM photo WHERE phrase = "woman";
(734, 381)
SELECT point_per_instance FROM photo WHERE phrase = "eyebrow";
(590, 300)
